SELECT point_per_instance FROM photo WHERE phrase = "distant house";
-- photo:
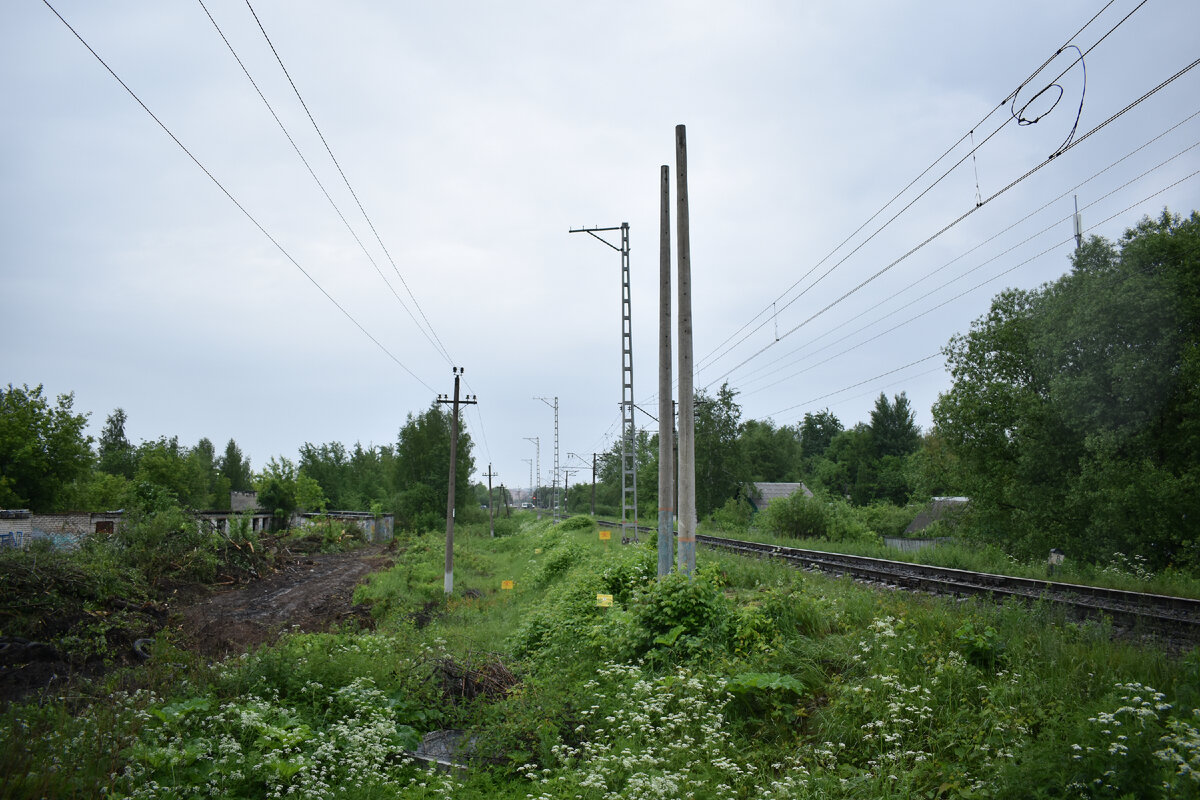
(938, 508)
(761, 494)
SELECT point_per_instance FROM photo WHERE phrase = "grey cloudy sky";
(476, 134)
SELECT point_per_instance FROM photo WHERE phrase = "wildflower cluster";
(651, 737)
(202, 748)
(1139, 746)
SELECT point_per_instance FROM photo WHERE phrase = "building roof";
(763, 493)
(938, 508)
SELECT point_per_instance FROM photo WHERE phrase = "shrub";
(886, 519)
(797, 516)
(733, 516)
(168, 541)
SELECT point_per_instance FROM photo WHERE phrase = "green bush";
(886, 519)
(797, 516)
(734, 516)
(169, 541)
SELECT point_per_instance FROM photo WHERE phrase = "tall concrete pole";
(687, 418)
(666, 427)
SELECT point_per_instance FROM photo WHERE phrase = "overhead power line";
(346, 180)
(234, 200)
(354, 234)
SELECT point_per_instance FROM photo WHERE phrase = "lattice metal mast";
(554, 484)
(628, 427)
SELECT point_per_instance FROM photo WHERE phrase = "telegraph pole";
(470, 400)
(554, 485)
(537, 444)
(504, 497)
(629, 430)
(666, 422)
(687, 418)
(491, 502)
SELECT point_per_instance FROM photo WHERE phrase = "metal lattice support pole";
(554, 485)
(628, 426)
(629, 436)
(537, 445)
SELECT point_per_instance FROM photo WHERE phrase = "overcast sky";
(475, 135)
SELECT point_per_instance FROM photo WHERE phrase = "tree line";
(1072, 421)
(48, 463)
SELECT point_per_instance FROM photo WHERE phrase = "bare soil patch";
(308, 593)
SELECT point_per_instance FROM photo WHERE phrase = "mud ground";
(308, 593)
(305, 592)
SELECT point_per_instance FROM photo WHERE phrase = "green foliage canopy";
(1075, 411)
(42, 448)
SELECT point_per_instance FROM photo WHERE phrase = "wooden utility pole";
(491, 502)
(504, 497)
(666, 422)
(470, 400)
(687, 418)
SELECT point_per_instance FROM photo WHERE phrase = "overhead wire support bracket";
(628, 426)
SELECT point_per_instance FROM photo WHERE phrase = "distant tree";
(721, 468)
(117, 455)
(236, 468)
(42, 448)
(276, 487)
(772, 454)
(421, 469)
(309, 496)
(816, 434)
(894, 431)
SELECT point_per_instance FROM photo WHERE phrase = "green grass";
(752, 680)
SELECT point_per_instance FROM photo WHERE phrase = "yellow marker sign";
(605, 535)
(506, 584)
(537, 551)
(604, 600)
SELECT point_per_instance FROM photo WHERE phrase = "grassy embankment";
(751, 681)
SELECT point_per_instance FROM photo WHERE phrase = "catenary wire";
(975, 248)
(977, 286)
(706, 360)
(958, 220)
(234, 200)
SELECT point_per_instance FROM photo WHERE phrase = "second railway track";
(1177, 618)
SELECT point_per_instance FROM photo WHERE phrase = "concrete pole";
(449, 579)
(687, 419)
(666, 472)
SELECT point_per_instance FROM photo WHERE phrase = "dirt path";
(310, 593)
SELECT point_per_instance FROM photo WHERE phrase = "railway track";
(1176, 618)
